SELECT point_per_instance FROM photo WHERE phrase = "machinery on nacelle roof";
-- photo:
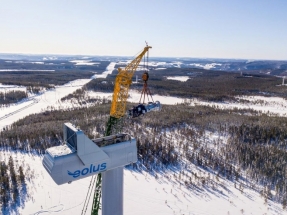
(81, 157)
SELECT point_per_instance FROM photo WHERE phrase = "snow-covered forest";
(204, 150)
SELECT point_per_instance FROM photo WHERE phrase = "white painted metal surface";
(112, 191)
(81, 157)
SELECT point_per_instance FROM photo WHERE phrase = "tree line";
(204, 84)
(12, 184)
(12, 96)
(252, 154)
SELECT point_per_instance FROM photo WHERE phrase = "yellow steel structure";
(122, 85)
(118, 110)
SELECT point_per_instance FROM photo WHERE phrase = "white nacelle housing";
(153, 106)
(81, 157)
(141, 109)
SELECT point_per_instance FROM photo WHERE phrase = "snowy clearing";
(134, 96)
(83, 62)
(159, 68)
(38, 103)
(30, 70)
(178, 78)
(108, 71)
(7, 88)
(206, 66)
(267, 105)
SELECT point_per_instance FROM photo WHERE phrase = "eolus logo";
(85, 171)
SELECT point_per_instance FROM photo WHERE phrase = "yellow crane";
(117, 111)
(121, 91)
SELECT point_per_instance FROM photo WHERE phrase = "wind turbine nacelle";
(141, 109)
(81, 157)
(153, 106)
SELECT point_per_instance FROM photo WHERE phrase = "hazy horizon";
(186, 28)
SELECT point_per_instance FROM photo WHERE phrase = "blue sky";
(254, 29)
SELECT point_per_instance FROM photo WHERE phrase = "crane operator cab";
(141, 109)
(80, 157)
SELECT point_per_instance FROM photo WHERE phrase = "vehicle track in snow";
(35, 101)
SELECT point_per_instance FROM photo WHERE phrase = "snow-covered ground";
(143, 193)
(268, 105)
(83, 62)
(159, 68)
(161, 64)
(33, 70)
(108, 71)
(134, 96)
(38, 103)
(178, 78)
(7, 88)
(206, 66)
(146, 195)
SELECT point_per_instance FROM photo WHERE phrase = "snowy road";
(34, 101)
(40, 102)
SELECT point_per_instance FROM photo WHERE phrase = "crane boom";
(117, 111)
(121, 91)
(122, 85)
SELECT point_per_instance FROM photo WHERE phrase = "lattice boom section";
(120, 96)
